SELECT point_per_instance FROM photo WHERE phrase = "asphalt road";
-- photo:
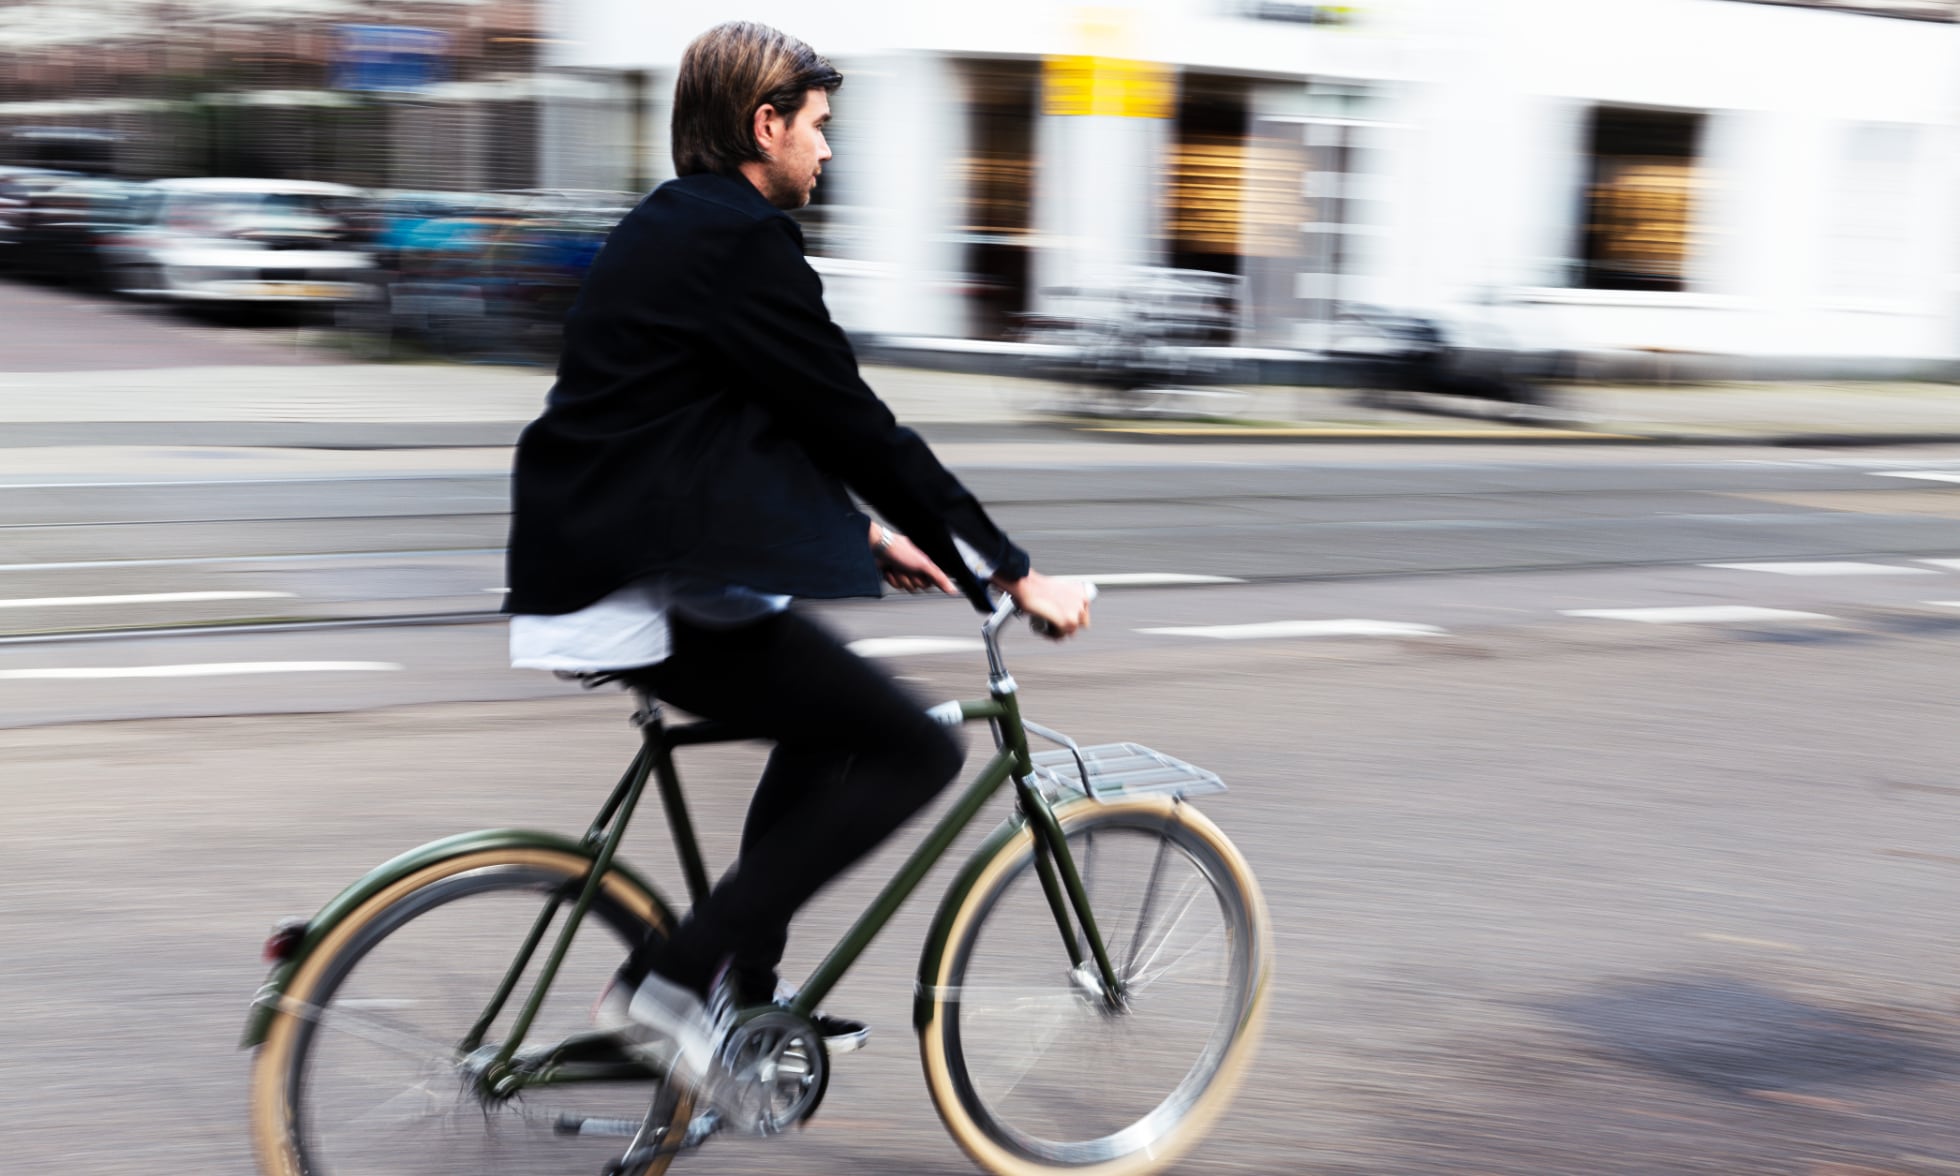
(1558, 887)
(1548, 900)
(352, 535)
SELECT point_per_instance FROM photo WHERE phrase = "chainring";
(774, 1072)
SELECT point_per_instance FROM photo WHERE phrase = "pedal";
(596, 1126)
(850, 1042)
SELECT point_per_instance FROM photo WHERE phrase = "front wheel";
(371, 1067)
(1032, 1069)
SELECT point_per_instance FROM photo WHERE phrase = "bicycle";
(388, 1026)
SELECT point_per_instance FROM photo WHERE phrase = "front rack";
(1117, 770)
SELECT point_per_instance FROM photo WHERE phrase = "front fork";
(1054, 864)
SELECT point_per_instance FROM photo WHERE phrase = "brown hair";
(727, 74)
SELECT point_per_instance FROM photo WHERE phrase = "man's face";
(799, 156)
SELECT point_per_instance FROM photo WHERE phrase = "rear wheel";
(366, 1072)
(1031, 1067)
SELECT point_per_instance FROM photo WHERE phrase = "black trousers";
(855, 756)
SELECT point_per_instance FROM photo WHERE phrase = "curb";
(1317, 433)
(1524, 436)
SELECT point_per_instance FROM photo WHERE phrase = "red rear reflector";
(284, 940)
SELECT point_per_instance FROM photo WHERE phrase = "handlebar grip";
(1043, 628)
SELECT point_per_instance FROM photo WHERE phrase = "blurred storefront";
(1757, 186)
(1763, 181)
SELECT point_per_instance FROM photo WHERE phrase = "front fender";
(259, 1019)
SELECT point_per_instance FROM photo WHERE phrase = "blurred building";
(1766, 186)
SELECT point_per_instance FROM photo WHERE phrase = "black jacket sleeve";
(784, 351)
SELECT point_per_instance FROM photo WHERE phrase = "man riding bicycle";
(693, 471)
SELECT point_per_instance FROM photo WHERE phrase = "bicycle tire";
(287, 1124)
(1002, 1130)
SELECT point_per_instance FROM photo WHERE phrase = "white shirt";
(629, 628)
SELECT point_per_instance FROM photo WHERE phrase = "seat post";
(647, 714)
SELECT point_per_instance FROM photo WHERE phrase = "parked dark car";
(19, 188)
(64, 228)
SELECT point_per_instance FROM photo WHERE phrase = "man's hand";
(905, 567)
(1063, 604)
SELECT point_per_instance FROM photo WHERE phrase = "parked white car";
(244, 241)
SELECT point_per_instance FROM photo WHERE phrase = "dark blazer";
(709, 418)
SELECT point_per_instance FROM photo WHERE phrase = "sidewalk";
(384, 406)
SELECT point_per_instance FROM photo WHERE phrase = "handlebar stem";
(997, 676)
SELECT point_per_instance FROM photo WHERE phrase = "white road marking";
(187, 560)
(276, 480)
(1692, 615)
(1949, 564)
(1942, 603)
(198, 670)
(1267, 629)
(1149, 579)
(1923, 475)
(1824, 568)
(901, 646)
(1746, 941)
(136, 598)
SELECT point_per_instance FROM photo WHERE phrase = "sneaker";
(664, 1021)
(841, 1035)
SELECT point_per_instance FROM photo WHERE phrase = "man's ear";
(768, 128)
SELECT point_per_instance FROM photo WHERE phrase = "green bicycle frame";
(1061, 883)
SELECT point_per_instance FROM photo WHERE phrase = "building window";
(1638, 228)
(999, 181)
(1206, 188)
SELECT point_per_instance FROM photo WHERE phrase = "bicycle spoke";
(1144, 980)
(1143, 911)
(344, 1019)
(1189, 897)
(422, 1091)
(999, 1000)
(1034, 1017)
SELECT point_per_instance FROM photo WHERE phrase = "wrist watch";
(886, 536)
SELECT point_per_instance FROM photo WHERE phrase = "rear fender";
(259, 1019)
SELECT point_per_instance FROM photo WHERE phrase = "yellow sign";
(1108, 86)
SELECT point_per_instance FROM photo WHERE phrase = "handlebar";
(1004, 611)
